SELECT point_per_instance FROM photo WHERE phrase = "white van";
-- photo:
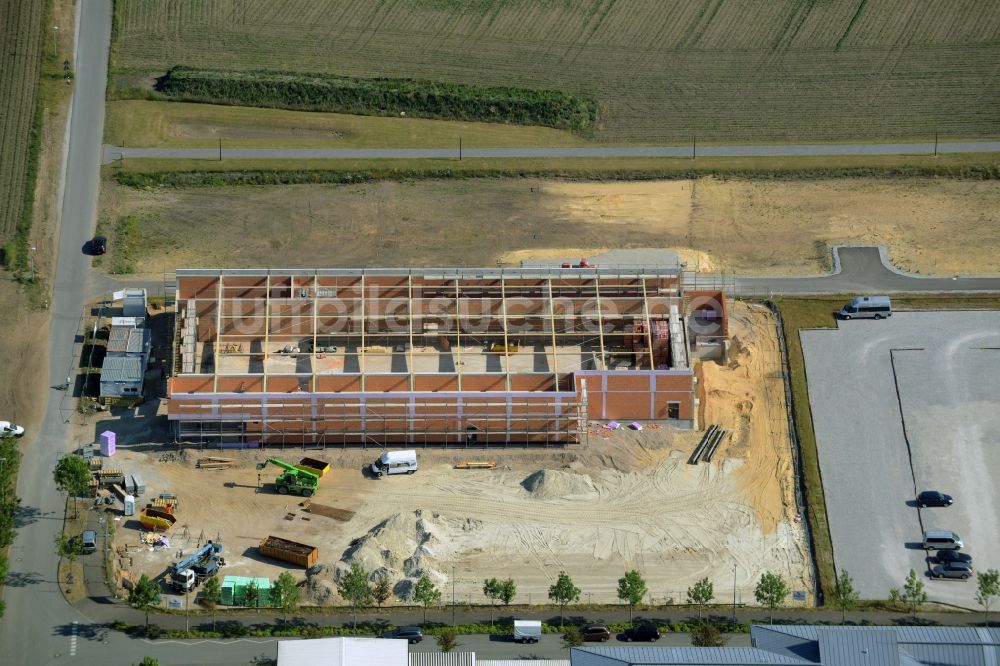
(527, 631)
(395, 462)
(872, 307)
(942, 540)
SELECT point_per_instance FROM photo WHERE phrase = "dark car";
(642, 632)
(952, 570)
(595, 632)
(409, 634)
(933, 498)
(99, 245)
(944, 556)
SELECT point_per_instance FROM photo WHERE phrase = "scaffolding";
(439, 356)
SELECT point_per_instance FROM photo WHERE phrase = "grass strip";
(132, 177)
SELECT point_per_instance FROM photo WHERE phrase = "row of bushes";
(332, 176)
(9, 502)
(235, 629)
(381, 97)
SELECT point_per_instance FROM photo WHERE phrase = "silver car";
(953, 570)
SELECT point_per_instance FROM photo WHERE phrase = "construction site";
(561, 420)
(447, 357)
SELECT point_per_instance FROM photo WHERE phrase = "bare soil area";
(623, 500)
(930, 226)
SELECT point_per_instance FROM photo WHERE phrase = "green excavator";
(293, 480)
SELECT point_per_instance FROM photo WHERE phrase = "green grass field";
(138, 123)
(661, 71)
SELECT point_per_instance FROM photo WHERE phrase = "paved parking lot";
(902, 405)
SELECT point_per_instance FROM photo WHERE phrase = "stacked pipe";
(713, 445)
(708, 445)
(700, 449)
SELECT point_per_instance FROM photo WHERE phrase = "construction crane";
(293, 480)
(203, 563)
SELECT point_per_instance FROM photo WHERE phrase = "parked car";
(89, 541)
(595, 632)
(99, 245)
(952, 570)
(410, 634)
(934, 498)
(642, 632)
(943, 556)
(12, 429)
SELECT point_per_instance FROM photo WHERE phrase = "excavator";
(294, 480)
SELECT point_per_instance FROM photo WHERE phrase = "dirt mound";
(556, 484)
(401, 546)
(321, 585)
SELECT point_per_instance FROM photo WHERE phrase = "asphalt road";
(34, 629)
(112, 153)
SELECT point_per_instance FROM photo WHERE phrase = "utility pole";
(459, 147)
(694, 146)
(55, 41)
(220, 148)
(935, 143)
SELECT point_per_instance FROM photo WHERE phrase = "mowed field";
(20, 60)
(934, 226)
(732, 70)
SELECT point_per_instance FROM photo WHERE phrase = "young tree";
(845, 597)
(426, 594)
(68, 547)
(252, 595)
(572, 638)
(287, 594)
(988, 589)
(354, 587)
(211, 595)
(144, 595)
(631, 589)
(895, 597)
(148, 661)
(700, 594)
(508, 590)
(771, 591)
(447, 640)
(913, 592)
(72, 476)
(707, 634)
(382, 588)
(491, 590)
(563, 591)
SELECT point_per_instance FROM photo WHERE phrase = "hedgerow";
(381, 97)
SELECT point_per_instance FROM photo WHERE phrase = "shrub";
(381, 97)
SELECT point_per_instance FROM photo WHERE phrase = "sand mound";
(401, 546)
(556, 484)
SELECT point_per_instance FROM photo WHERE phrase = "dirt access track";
(624, 500)
(931, 226)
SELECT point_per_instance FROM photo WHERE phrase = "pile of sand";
(401, 547)
(555, 484)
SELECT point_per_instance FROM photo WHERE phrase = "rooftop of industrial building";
(428, 329)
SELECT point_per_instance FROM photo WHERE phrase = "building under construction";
(437, 356)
